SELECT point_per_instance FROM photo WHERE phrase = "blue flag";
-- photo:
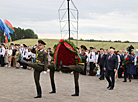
(1, 25)
(5, 28)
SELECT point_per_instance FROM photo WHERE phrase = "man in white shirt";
(2, 54)
(92, 60)
(22, 50)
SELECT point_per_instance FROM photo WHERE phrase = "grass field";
(51, 42)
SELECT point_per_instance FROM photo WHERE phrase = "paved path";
(17, 85)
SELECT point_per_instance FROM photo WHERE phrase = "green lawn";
(51, 42)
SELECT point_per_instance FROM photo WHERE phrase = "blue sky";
(98, 19)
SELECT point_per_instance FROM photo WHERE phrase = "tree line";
(93, 40)
(20, 34)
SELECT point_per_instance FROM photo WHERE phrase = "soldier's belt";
(52, 61)
(80, 63)
(38, 61)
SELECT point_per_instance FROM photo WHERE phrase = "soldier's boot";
(63, 66)
(23, 62)
(76, 91)
(19, 58)
(39, 92)
(53, 89)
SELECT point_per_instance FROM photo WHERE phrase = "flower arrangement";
(137, 60)
(95, 70)
(66, 52)
(126, 60)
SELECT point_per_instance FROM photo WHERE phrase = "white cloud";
(110, 19)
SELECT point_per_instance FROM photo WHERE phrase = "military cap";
(41, 42)
(49, 48)
(83, 47)
(16, 44)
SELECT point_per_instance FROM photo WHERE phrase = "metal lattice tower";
(68, 18)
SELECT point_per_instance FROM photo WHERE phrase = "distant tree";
(81, 39)
(117, 41)
(19, 33)
(71, 38)
(126, 41)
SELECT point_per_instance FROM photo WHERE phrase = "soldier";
(52, 71)
(39, 66)
(77, 69)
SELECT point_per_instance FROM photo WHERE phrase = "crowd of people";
(9, 55)
(96, 58)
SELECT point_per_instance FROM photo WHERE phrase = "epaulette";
(45, 51)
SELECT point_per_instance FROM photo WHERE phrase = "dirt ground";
(17, 85)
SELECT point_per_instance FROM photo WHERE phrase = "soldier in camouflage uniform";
(39, 66)
(77, 69)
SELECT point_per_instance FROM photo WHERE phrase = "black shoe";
(75, 94)
(108, 87)
(38, 96)
(124, 81)
(76, 91)
(52, 92)
(111, 88)
(101, 79)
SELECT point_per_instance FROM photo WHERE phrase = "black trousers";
(2, 60)
(24, 66)
(120, 70)
(91, 68)
(107, 75)
(84, 72)
(126, 74)
(101, 71)
(52, 71)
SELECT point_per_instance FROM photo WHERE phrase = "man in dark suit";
(101, 60)
(127, 66)
(110, 67)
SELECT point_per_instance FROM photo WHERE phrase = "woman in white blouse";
(9, 56)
